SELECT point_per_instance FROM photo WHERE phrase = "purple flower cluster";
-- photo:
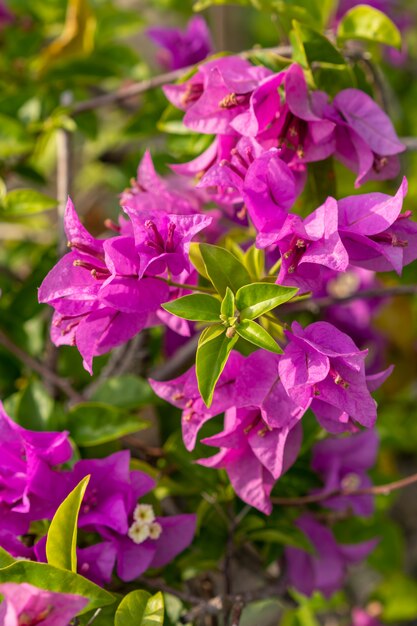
(246, 105)
(105, 291)
(321, 369)
(268, 127)
(33, 483)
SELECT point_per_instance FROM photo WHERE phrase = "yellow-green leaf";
(61, 543)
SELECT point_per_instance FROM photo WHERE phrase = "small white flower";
(139, 532)
(155, 530)
(144, 513)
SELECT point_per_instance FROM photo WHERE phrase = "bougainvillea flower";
(262, 437)
(342, 464)
(297, 121)
(325, 570)
(375, 233)
(183, 393)
(27, 483)
(163, 240)
(310, 246)
(6, 16)
(216, 94)
(150, 192)
(151, 541)
(182, 47)
(254, 454)
(265, 184)
(110, 492)
(366, 141)
(98, 297)
(26, 604)
(322, 366)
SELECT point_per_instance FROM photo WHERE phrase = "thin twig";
(375, 490)
(62, 383)
(236, 612)
(157, 81)
(314, 305)
(410, 142)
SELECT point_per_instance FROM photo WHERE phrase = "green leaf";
(125, 392)
(139, 608)
(56, 579)
(228, 304)
(288, 536)
(223, 268)
(34, 407)
(195, 307)
(212, 353)
(21, 202)
(365, 22)
(5, 558)
(94, 423)
(259, 298)
(317, 48)
(252, 332)
(61, 542)
(14, 138)
(398, 595)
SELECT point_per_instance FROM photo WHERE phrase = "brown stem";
(375, 490)
(236, 612)
(314, 305)
(62, 383)
(63, 175)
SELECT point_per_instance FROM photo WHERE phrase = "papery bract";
(183, 393)
(216, 94)
(322, 367)
(324, 571)
(342, 464)
(366, 141)
(375, 233)
(25, 604)
(182, 47)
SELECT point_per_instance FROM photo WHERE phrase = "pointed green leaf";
(56, 579)
(195, 307)
(228, 304)
(212, 353)
(365, 22)
(259, 298)
(251, 331)
(139, 608)
(197, 260)
(223, 268)
(254, 261)
(5, 558)
(316, 47)
(61, 543)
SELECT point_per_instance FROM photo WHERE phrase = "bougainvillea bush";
(207, 315)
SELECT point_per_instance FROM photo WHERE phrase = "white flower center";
(144, 525)
(144, 513)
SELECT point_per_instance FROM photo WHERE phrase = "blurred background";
(55, 54)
